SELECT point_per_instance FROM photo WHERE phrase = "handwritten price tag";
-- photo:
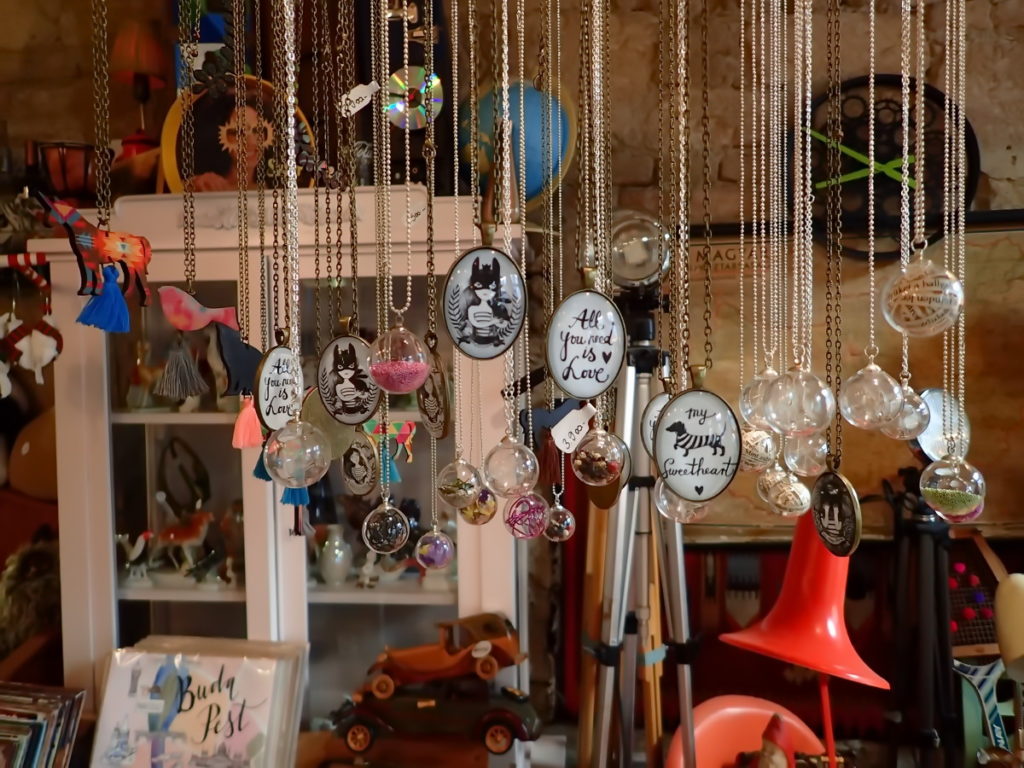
(568, 432)
(358, 98)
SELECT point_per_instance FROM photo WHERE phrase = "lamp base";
(135, 144)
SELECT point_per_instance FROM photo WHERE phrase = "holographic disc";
(410, 101)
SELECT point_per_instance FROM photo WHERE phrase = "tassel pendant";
(181, 378)
(260, 470)
(248, 432)
(297, 496)
(107, 310)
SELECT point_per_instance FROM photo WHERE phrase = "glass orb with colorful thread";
(297, 455)
(435, 550)
(526, 516)
(459, 484)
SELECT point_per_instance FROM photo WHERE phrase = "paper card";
(568, 432)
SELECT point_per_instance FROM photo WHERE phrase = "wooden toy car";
(480, 644)
(465, 708)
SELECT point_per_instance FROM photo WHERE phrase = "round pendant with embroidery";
(697, 445)
(348, 392)
(484, 303)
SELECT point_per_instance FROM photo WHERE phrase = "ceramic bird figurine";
(135, 555)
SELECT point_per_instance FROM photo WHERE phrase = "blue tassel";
(298, 497)
(389, 470)
(107, 310)
(260, 470)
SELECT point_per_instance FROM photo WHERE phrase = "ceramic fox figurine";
(187, 536)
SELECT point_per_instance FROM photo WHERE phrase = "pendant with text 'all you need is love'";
(697, 445)
(586, 344)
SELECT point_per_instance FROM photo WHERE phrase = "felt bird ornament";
(38, 345)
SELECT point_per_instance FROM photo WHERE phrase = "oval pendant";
(339, 435)
(836, 511)
(586, 344)
(484, 303)
(279, 387)
(348, 393)
(697, 445)
(432, 397)
(359, 467)
(649, 420)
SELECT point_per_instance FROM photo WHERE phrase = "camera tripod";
(630, 617)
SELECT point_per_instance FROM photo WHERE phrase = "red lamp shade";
(139, 54)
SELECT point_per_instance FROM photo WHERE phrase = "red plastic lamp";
(140, 59)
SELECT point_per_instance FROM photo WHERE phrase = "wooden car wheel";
(358, 737)
(487, 667)
(498, 738)
(382, 686)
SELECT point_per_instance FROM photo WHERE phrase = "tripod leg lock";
(685, 652)
(606, 655)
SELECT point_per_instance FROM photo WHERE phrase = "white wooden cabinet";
(345, 627)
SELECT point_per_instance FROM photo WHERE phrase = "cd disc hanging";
(410, 101)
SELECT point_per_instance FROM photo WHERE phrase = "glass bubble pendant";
(871, 398)
(385, 529)
(561, 524)
(459, 484)
(526, 516)
(676, 508)
(767, 480)
(511, 468)
(435, 550)
(925, 300)
(297, 455)
(954, 489)
(482, 510)
(399, 361)
(806, 455)
(599, 457)
(913, 418)
(753, 396)
(799, 403)
(759, 449)
(789, 497)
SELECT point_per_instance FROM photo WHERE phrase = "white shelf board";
(403, 592)
(181, 595)
(172, 418)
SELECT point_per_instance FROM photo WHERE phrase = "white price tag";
(358, 98)
(150, 706)
(573, 428)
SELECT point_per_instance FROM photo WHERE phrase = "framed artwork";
(217, 139)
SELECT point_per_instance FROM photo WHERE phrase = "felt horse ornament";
(95, 248)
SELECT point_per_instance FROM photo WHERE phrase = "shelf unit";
(278, 600)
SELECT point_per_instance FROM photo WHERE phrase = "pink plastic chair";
(727, 725)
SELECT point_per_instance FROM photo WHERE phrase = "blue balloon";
(536, 107)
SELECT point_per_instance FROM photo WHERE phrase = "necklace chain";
(833, 289)
(188, 41)
(705, 151)
(101, 109)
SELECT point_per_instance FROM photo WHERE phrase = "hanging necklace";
(386, 529)
(297, 454)
(834, 502)
(759, 448)
(510, 469)
(697, 439)
(951, 486)
(435, 549)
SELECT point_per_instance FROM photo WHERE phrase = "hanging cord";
(242, 130)
(188, 41)
(101, 110)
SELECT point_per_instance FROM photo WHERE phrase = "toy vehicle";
(466, 708)
(480, 644)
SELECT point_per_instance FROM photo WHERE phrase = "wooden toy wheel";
(359, 737)
(382, 686)
(498, 738)
(487, 667)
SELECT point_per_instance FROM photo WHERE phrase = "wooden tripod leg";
(593, 597)
(650, 675)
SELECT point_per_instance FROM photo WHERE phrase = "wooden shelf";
(180, 595)
(402, 592)
(172, 418)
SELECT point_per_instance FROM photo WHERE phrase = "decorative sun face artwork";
(484, 303)
(349, 394)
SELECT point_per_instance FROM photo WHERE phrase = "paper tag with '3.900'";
(568, 432)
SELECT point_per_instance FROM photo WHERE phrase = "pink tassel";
(248, 432)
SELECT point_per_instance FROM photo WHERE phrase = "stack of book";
(192, 702)
(38, 725)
